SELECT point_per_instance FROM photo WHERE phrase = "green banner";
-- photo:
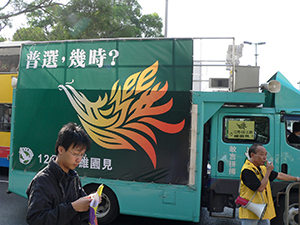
(132, 96)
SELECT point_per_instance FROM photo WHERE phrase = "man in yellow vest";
(256, 175)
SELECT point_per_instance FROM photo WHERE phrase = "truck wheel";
(108, 209)
(292, 211)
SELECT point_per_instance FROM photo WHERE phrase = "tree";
(88, 19)
(148, 25)
(31, 33)
(11, 8)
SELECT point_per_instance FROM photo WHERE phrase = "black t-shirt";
(293, 138)
(251, 181)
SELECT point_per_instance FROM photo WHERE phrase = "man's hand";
(270, 166)
(82, 204)
(92, 196)
(265, 180)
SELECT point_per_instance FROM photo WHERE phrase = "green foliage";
(89, 19)
(31, 34)
(2, 39)
(12, 8)
(151, 25)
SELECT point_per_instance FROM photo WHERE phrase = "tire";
(108, 209)
(292, 211)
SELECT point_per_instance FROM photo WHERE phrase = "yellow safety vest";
(247, 193)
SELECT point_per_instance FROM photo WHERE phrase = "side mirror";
(14, 82)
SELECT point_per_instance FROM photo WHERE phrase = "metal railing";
(287, 202)
(203, 58)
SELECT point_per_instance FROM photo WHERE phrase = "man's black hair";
(72, 134)
(296, 127)
(253, 148)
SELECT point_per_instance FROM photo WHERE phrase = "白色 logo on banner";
(25, 155)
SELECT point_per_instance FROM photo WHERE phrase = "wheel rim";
(104, 206)
(293, 214)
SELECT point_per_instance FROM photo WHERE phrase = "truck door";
(233, 131)
(236, 132)
(287, 158)
(289, 155)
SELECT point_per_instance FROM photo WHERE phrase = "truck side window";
(292, 128)
(5, 117)
(237, 129)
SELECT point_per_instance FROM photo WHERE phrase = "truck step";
(223, 215)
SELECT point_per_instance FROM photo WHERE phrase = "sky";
(272, 21)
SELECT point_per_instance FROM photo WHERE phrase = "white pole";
(166, 19)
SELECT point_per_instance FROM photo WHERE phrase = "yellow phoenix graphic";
(126, 116)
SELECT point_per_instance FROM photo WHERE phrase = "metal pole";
(233, 65)
(166, 19)
(287, 202)
(259, 43)
(256, 54)
(200, 65)
(298, 205)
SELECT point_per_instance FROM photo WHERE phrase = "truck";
(161, 148)
(9, 60)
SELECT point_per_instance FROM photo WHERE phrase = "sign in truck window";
(246, 129)
(241, 130)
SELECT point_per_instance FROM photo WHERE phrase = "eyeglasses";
(77, 156)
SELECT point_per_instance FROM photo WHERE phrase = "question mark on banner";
(115, 56)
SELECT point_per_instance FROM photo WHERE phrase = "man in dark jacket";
(55, 194)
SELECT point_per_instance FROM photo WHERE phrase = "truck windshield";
(246, 129)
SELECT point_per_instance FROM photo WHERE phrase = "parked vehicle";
(9, 60)
(161, 149)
